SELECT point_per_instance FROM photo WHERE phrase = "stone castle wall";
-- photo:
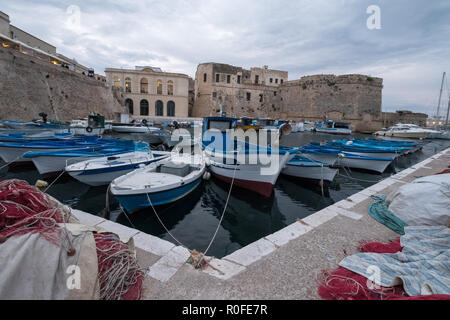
(354, 98)
(29, 86)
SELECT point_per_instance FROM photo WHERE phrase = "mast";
(448, 109)
(440, 96)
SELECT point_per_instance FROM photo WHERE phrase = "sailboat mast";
(448, 109)
(440, 96)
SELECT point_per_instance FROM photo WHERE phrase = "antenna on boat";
(440, 97)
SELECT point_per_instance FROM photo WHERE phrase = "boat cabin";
(96, 120)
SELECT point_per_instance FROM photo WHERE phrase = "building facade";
(236, 91)
(263, 92)
(150, 92)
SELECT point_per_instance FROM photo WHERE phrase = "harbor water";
(194, 219)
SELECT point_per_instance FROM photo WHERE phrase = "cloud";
(303, 37)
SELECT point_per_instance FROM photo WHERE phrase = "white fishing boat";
(333, 127)
(133, 128)
(226, 164)
(101, 171)
(405, 131)
(159, 183)
(304, 168)
(350, 160)
(93, 126)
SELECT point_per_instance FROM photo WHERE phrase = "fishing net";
(25, 209)
(119, 274)
(343, 284)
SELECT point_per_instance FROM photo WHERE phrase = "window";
(159, 87)
(171, 109)
(228, 78)
(271, 80)
(144, 107)
(256, 79)
(144, 85)
(275, 93)
(205, 77)
(170, 88)
(159, 108)
(276, 80)
(127, 85)
(129, 105)
(249, 96)
(238, 79)
(214, 94)
(281, 81)
(261, 98)
(217, 77)
(116, 82)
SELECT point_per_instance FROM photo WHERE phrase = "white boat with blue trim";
(101, 171)
(159, 183)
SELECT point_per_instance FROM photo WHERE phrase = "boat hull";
(82, 131)
(411, 135)
(366, 164)
(10, 154)
(248, 176)
(334, 131)
(52, 165)
(136, 202)
(325, 174)
(327, 158)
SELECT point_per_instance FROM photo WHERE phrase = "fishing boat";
(349, 159)
(333, 127)
(159, 183)
(226, 164)
(405, 131)
(16, 136)
(52, 162)
(123, 128)
(367, 150)
(94, 125)
(101, 171)
(304, 168)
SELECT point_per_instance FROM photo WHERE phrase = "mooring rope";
(62, 172)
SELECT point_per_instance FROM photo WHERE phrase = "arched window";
(159, 108)
(129, 105)
(170, 88)
(171, 109)
(159, 87)
(144, 85)
(116, 82)
(144, 107)
(127, 85)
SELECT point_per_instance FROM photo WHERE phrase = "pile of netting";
(343, 284)
(25, 209)
(119, 275)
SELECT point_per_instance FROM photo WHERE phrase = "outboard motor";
(44, 116)
(285, 129)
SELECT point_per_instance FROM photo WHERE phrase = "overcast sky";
(410, 51)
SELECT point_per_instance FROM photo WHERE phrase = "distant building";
(404, 116)
(238, 91)
(263, 92)
(150, 92)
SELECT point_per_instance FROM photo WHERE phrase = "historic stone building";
(238, 91)
(150, 92)
(262, 92)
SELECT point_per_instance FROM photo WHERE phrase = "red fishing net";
(343, 284)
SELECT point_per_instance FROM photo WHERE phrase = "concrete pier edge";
(167, 258)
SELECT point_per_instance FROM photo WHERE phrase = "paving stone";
(152, 244)
(288, 233)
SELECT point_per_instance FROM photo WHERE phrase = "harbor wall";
(30, 85)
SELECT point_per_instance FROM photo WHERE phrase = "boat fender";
(341, 155)
(207, 162)
(88, 129)
(206, 176)
(41, 184)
